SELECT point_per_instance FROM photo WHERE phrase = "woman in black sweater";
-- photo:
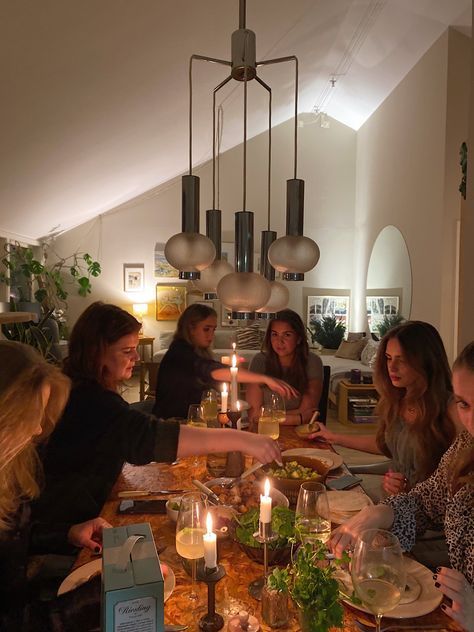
(188, 366)
(99, 431)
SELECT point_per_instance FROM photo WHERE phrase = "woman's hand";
(454, 585)
(322, 433)
(88, 534)
(262, 448)
(282, 388)
(344, 537)
(395, 483)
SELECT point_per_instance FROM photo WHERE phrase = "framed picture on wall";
(170, 301)
(380, 306)
(162, 267)
(321, 306)
(133, 277)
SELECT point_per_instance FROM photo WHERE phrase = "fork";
(395, 626)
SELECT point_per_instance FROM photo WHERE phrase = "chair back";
(148, 376)
(323, 402)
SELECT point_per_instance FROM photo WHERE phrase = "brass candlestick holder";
(212, 621)
(264, 535)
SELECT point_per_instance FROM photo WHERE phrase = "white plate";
(428, 600)
(336, 459)
(84, 572)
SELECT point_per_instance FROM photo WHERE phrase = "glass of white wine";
(267, 424)
(312, 518)
(278, 406)
(195, 419)
(190, 528)
(209, 407)
(378, 571)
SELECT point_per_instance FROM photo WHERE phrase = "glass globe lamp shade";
(279, 298)
(190, 252)
(211, 276)
(243, 291)
(293, 254)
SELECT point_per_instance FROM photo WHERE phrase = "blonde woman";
(33, 394)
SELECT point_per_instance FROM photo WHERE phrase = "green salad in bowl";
(283, 525)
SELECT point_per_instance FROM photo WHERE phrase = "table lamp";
(140, 310)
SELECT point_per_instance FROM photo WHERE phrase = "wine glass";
(278, 405)
(378, 571)
(195, 419)
(267, 424)
(209, 406)
(190, 528)
(312, 518)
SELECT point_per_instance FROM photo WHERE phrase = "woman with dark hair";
(286, 356)
(188, 366)
(99, 431)
(416, 426)
(447, 496)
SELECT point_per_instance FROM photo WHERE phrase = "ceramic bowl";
(173, 513)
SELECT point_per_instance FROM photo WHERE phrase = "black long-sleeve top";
(96, 435)
(182, 377)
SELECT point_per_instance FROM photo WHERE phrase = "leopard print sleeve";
(425, 505)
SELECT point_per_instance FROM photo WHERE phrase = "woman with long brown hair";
(447, 496)
(33, 394)
(99, 431)
(415, 408)
(286, 356)
(188, 367)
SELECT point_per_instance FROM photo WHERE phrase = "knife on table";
(135, 493)
(209, 493)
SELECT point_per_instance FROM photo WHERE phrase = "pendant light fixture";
(244, 291)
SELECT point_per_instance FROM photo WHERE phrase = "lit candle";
(224, 397)
(233, 384)
(210, 550)
(266, 504)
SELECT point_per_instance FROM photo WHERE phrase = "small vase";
(274, 607)
(305, 617)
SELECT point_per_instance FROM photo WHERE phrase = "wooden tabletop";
(232, 591)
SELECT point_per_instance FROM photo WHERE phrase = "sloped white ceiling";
(94, 96)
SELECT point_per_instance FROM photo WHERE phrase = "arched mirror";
(389, 280)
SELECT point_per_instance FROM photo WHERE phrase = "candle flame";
(238, 404)
(209, 523)
(266, 488)
(233, 347)
(224, 387)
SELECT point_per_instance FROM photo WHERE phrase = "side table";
(346, 389)
(143, 343)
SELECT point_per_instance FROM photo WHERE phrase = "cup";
(355, 376)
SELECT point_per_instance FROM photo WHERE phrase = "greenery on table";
(389, 321)
(278, 580)
(311, 584)
(283, 524)
(328, 332)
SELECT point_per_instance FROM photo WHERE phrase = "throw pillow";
(249, 337)
(351, 350)
(165, 339)
(352, 336)
(369, 353)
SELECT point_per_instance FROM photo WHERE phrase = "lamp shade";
(140, 309)
(293, 253)
(211, 276)
(190, 252)
(243, 291)
(279, 298)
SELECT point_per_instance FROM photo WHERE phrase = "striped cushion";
(250, 337)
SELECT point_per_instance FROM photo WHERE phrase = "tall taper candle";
(266, 504)
(234, 391)
(210, 550)
(224, 397)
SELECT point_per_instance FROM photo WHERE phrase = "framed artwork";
(133, 277)
(170, 301)
(322, 306)
(380, 306)
(162, 267)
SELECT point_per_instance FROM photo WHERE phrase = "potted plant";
(328, 332)
(389, 321)
(314, 589)
(48, 284)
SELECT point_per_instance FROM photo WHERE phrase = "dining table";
(232, 593)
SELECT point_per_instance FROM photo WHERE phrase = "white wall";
(406, 159)
(326, 163)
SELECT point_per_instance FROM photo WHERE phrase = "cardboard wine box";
(132, 581)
